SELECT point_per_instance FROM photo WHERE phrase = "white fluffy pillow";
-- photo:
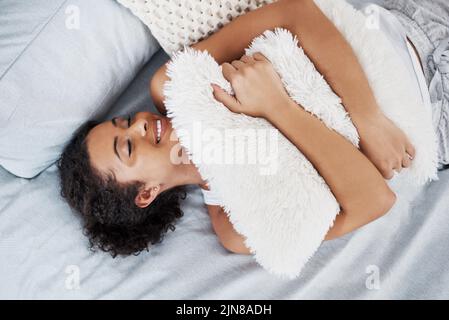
(286, 214)
(175, 23)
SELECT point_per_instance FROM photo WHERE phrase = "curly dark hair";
(112, 220)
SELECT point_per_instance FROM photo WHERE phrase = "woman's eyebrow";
(114, 123)
(115, 148)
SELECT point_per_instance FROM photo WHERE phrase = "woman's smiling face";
(135, 149)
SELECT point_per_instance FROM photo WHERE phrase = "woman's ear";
(146, 196)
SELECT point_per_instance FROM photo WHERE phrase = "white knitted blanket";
(175, 23)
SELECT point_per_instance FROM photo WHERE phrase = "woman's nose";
(140, 126)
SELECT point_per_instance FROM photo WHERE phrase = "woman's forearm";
(334, 58)
(229, 43)
(321, 41)
(356, 184)
(228, 236)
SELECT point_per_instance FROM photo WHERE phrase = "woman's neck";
(187, 174)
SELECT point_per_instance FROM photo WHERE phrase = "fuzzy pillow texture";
(279, 202)
(175, 23)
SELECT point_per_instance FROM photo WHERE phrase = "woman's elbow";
(294, 8)
(372, 205)
(235, 246)
(389, 201)
(382, 203)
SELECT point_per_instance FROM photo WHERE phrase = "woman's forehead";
(100, 146)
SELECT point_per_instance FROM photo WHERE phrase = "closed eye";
(129, 141)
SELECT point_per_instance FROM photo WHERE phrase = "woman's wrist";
(366, 118)
(280, 110)
(364, 112)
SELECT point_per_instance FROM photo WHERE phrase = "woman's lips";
(163, 127)
(154, 127)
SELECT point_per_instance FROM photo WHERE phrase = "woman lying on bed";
(118, 174)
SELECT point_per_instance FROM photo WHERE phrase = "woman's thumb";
(223, 97)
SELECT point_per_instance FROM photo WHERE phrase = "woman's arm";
(228, 236)
(357, 185)
(359, 188)
(388, 149)
(320, 40)
(229, 42)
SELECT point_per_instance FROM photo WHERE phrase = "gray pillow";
(61, 63)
